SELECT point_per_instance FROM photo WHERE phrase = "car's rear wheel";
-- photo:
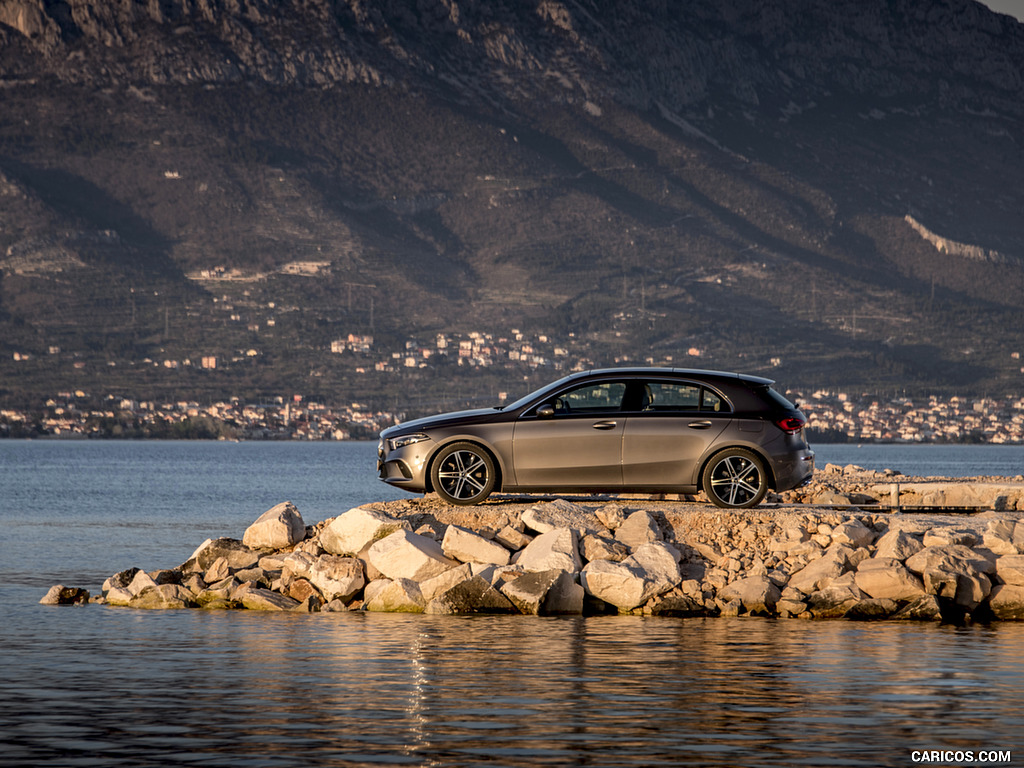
(463, 473)
(735, 479)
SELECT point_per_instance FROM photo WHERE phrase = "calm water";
(99, 686)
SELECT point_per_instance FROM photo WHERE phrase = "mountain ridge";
(736, 177)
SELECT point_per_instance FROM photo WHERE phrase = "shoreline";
(288, 438)
(829, 550)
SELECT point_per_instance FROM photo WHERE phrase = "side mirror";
(546, 411)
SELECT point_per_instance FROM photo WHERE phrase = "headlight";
(404, 440)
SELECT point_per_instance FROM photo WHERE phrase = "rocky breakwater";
(562, 557)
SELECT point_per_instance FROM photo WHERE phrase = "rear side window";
(774, 398)
(712, 402)
(680, 396)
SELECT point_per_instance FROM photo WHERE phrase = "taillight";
(790, 424)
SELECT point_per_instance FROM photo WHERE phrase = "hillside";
(826, 193)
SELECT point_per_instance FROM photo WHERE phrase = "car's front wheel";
(735, 479)
(463, 473)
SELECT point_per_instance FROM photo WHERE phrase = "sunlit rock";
(556, 550)
(886, 578)
(396, 596)
(955, 572)
(237, 555)
(352, 532)
(337, 577)
(406, 555)
(853, 533)
(834, 600)
(1010, 569)
(820, 572)
(949, 536)
(1007, 602)
(638, 529)
(438, 585)
(163, 596)
(651, 570)
(552, 515)
(58, 594)
(279, 527)
(468, 547)
(757, 593)
(898, 545)
(594, 547)
(259, 599)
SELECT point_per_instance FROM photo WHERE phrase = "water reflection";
(125, 687)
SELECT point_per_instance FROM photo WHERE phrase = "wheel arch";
(769, 471)
(429, 467)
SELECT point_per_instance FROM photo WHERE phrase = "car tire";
(735, 479)
(463, 473)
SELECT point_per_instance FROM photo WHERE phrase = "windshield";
(537, 393)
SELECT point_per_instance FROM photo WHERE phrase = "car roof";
(685, 372)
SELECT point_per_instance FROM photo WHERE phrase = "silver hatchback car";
(648, 430)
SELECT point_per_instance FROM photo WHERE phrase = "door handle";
(606, 425)
(699, 425)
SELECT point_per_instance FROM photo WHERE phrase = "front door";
(578, 446)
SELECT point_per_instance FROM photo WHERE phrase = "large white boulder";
(407, 555)
(438, 585)
(652, 570)
(953, 571)
(819, 573)
(556, 550)
(638, 529)
(1007, 602)
(468, 547)
(396, 596)
(552, 515)
(853, 533)
(336, 577)
(1010, 569)
(758, 594)
(238, 556)
(277, 528)
(897, 544)
(351, 532)
(885, 577)
(998, 537)
(615, 583)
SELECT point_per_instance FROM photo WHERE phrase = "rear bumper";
(793, 469)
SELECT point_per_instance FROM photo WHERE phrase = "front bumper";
(404, 467)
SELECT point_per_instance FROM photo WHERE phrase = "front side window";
(606, 396)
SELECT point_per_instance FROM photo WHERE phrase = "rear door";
(674, 422)
(579, 445)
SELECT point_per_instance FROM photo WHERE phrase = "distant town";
(832, 416)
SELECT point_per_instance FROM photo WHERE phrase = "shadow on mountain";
(78, 200)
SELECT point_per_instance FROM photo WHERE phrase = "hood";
(475, 416)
